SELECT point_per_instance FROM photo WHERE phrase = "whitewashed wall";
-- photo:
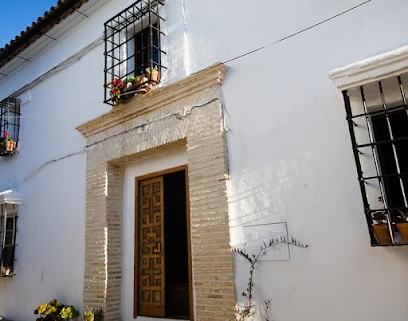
(50, 171)
(291, 158)
(289, 152)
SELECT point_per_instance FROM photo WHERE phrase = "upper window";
(133, 53)
(9, 126)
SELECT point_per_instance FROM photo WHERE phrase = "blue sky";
(16, 15)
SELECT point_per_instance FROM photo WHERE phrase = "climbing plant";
(247, 310)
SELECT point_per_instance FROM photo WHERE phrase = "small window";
(133, 53)
(377, 114)
(8, 241)
(9, 203)
(9, 126)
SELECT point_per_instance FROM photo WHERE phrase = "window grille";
(133, 44)
(9, 126)
(377, 115)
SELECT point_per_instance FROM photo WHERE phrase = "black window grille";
(377, 115)
(8, 230)
(9, 126)
(133, 50)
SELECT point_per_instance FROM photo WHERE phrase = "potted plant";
(138, 80)
(93, 314)
(69, 312)
(128, 88)
(55, 311)
(117, 87)
(153, 75)
(142, 84)
(130, 82)
(7, 144)
(402, 225)
(380, 225)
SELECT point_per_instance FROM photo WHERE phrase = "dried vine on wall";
(244, 312)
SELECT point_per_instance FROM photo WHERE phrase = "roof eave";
(51, 18)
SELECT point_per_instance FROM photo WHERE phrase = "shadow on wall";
(267, 195)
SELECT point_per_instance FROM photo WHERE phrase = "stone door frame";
(186, 114)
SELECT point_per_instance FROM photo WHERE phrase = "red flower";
(6, 134)
(115, 87)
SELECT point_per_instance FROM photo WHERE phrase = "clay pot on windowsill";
(382, 233)
(10, 145)
(143, 86)
(153, 75)
(403, 230)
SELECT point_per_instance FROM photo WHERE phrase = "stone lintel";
(157, 98)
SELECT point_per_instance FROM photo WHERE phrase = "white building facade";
(269, 121)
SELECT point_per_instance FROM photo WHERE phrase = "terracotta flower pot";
(144, 82)
(382, 234)
(403, 230)
(138, 81)
(153, 75)
(10, 145)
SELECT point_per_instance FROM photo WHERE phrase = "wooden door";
(151, 298)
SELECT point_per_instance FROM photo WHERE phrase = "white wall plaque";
(256, 235)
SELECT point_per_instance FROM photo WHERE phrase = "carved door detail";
(151, 248)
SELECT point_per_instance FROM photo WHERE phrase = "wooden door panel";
(151, 244)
